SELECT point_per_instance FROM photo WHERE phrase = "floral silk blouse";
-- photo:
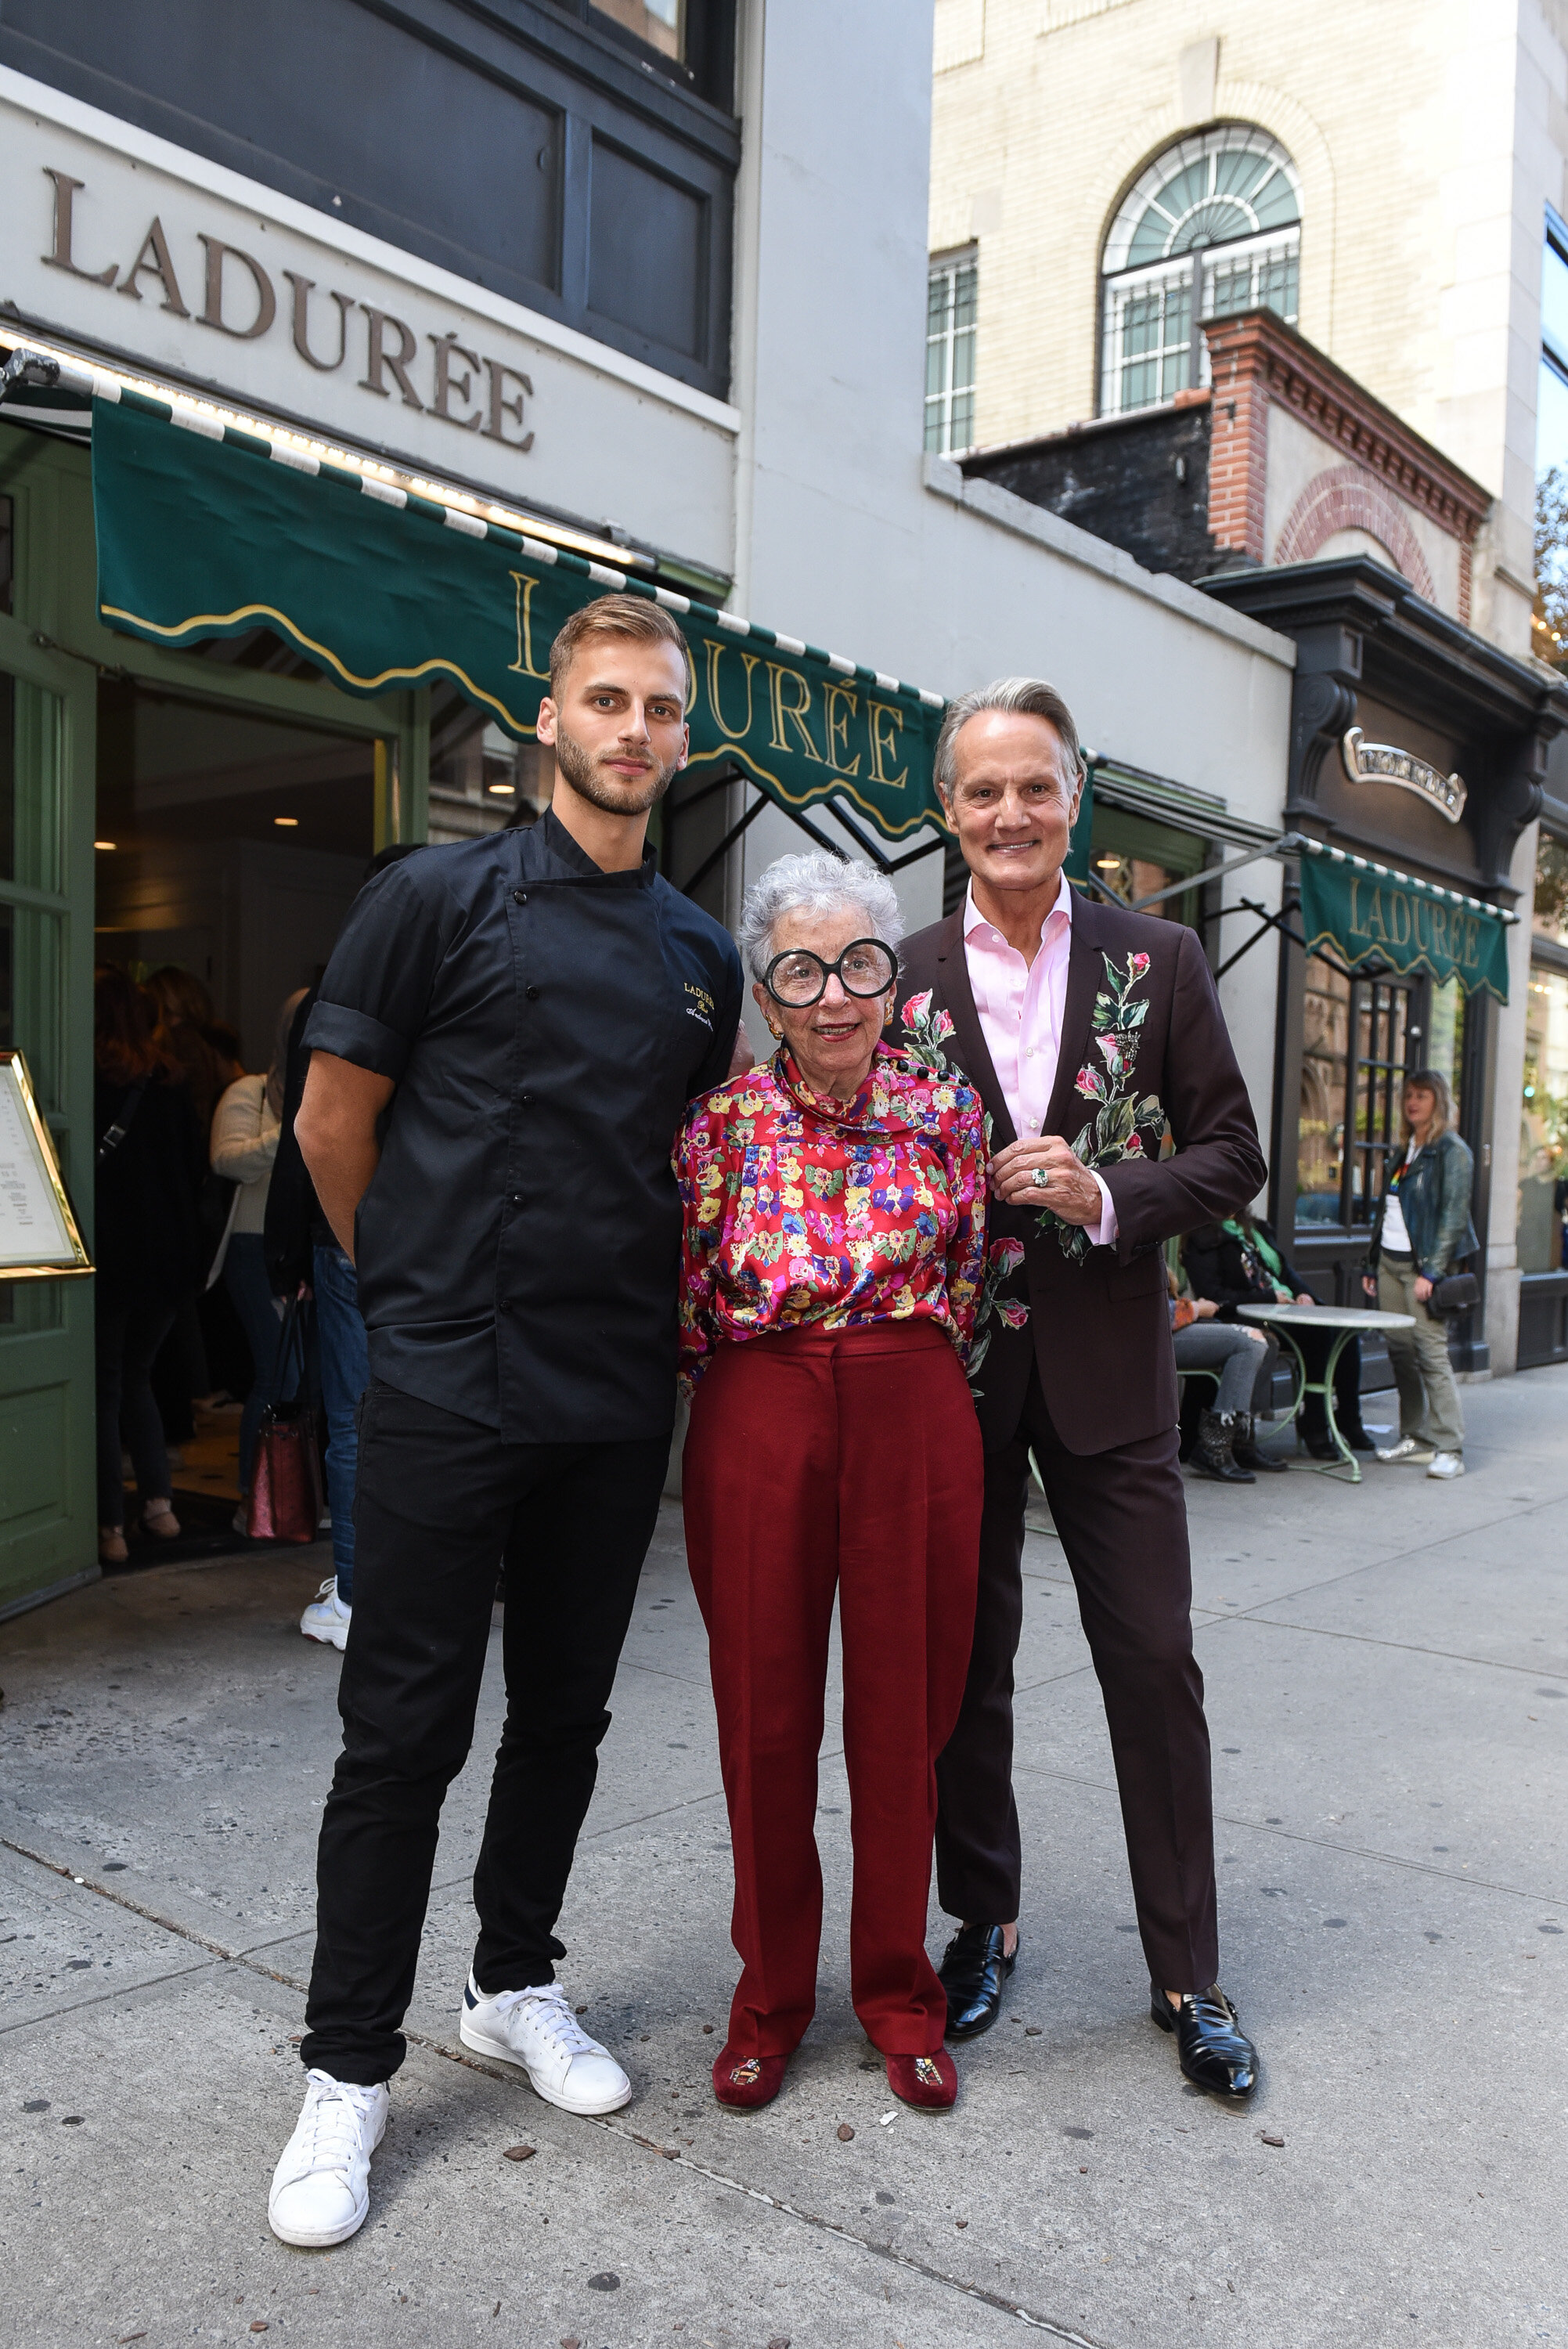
(801, 1209)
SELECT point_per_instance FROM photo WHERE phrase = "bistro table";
(1346, 1321)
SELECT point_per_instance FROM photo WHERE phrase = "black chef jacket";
(546, 1024)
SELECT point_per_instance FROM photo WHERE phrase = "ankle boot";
(1213, 1456)
(1247, 1452)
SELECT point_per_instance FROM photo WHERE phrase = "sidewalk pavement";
(1387, 1667)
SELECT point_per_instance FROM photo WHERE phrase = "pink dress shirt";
(1020, 1006)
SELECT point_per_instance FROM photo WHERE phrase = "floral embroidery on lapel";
(925, 1033)
(1122, 1125)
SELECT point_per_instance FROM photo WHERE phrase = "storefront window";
(1359, 1037)
(1543, 1130)
(1135, 857)
(1551, 911)
(480, 778)
(1320, 1144)
(660, 23)
(1382, 1056)
(1444, 1047)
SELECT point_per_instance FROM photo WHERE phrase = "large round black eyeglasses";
(800, 978)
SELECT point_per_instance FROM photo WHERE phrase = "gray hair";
(815, 883)
(1030, 695)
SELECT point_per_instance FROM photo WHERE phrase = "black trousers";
(131, 1327)
(440, 1500)
(1122, 1518)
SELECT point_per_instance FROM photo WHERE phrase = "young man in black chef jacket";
(505, 1041)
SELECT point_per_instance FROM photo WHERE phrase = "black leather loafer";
(973, 1970)
(1215, 2052)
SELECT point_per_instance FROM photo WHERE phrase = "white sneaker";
(327, 1618)
(537, 2029)
(321, 2187)
(1446, 1464)
(1406, 1453)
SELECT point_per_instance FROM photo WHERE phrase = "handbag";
(1455, 1293)
(285, 1475)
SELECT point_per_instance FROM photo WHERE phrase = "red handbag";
(286, 1475)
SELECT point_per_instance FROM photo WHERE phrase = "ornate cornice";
(1256, 348)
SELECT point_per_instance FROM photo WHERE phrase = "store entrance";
(229, 843)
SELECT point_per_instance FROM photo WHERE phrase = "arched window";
(1212, 225)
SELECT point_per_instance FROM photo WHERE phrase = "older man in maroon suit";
(1089, 1032)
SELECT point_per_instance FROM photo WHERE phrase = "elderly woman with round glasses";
(833, 1250)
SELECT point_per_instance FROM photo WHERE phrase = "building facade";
(590, 339)
(1252, 334)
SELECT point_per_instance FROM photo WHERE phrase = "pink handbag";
(286, 1475)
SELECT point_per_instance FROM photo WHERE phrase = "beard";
(613, 794)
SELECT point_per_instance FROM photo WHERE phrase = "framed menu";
(38, 1235)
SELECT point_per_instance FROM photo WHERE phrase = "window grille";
(950, 315)
(1213, 226)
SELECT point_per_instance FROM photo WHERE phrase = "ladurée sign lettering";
(236, 295)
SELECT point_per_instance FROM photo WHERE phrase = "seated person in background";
(1225, 1443)
(1239, 1262)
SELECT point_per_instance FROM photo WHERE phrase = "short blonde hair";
(637, 617)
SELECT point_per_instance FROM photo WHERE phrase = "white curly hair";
(815, 883)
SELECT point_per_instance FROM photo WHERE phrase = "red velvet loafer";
(747, 2080)
(930, 2082)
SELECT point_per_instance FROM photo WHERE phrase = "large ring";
(1040, 1179)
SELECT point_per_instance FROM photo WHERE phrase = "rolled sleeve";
(375, 991)
(355, 1036)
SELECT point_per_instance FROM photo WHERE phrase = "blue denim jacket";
(1435, 1198)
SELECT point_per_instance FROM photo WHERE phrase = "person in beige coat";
(246, 1130)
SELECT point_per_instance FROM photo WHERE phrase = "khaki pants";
(1428, 1398)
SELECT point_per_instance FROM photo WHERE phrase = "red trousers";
(818, 1459)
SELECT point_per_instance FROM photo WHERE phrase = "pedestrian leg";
(436, 1499)
(579, 1536)
(908, 1555)
(345, 1375)
(763, 1553)
(1122, 1518)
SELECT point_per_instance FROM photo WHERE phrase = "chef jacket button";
(527, 1099)
(517, 1198)
(531, 993)
(520, 896)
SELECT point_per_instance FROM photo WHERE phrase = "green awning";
(1367, 914)
(204, 530)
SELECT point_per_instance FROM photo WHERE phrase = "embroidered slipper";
(928, 2082)
(747, 2080)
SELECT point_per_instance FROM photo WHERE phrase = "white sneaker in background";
(321, 2187)
(1446, 1464)
(327, 1618)
(1407, 1452)
(537, 2029)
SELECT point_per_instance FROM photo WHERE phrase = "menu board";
(38, 1235)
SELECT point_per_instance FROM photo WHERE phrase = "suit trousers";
(816, 1460)
(1122, 1516)
(438, 1499)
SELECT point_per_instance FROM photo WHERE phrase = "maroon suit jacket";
(1098, 1327)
